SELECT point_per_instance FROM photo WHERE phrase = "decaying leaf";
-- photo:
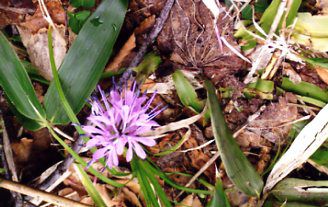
(190, 200)
(33, 32)
(189, 37)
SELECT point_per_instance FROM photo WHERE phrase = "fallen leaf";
(33, 32)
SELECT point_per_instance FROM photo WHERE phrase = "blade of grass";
(145, 186)
(219, 196)
(17, 85)
(305, 89)
(86, 59)
(162, 175)
(157, 187)
(238, 168)
(89, 187)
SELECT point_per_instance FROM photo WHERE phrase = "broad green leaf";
(298, 190)
(83, 3)
(86, 59)
(219, 196)
(186, 92)
(89, 187)
(17, 85)
(305, 89)
(238, 168)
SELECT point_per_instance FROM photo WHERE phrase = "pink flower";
(119, 120)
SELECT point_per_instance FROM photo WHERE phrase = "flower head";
(119, 120)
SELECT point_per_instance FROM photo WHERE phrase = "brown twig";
(151, 39)
(48, 197)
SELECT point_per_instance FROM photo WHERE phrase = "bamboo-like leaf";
(292, 189)
(238, 168)
(86, 59)
(17, 85)
(312, 136)
(186, 92)
(89, 187)
(219, 196)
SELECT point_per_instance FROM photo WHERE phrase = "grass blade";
(238, 168)
(86, 59)
(219, 197)
(305, 89)
(89, 187)
(17, 85)
(299, 190)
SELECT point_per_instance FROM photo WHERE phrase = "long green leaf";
(89, 187)
(305, 89)
(238, 168)
(299, 190)
(85, 60)
(157, 187)
(145, 186)
(17, 85)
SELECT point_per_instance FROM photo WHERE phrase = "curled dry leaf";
(22, 150)
(33, 32)
(323, 74)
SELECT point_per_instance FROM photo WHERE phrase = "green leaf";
(83, 3)
(219, 197)
(270, 14)
(89, 187)
(162, 175)
(305, 89)
(86, 59)
(186, 92)
(299, 190)
(321, 157)
(17, 85)
(265, 86)
(238, 168)
(76, 20)
(148, 65)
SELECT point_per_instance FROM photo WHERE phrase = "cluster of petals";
(117, 122)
